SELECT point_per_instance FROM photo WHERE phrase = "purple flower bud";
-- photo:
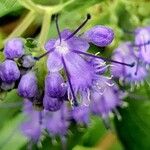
(14, 48)
(52, 104)
(54, 85)
(9, 71)
(142, 37)
(81, 114)
(99, 35)
(27, 61)
(27, 87)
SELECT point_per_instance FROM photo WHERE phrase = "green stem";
(31, 6)
(23, 25)
(45, 28)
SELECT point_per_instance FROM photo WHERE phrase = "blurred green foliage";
(134, 128)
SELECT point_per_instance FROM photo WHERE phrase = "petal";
(54, 62)
(65, 33)
(50, 44)
(143, 36)
(116, 69)
(57, 122)
(81, 114)
(52, 104)
(81, 72)
(80, 44)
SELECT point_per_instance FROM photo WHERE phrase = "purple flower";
(142, 38)
(54, 85)
(57, 123)
(9, 71)
(31, 128)
(52, 104)
(68, 52)
(14, 48)
(105, 102)
(27, 87)
(99, 35)
(125, 53)
(81, 114)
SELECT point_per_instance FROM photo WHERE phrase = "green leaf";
(9, 106)
(8, 6)
(134, 128)
(10, 135)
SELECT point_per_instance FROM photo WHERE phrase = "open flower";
(107, 101)
(68, 52)
(125, 53)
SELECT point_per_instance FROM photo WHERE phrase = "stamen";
(41, 56)
(105, 59)
(71, 35)
(57, 27)
(69, 81)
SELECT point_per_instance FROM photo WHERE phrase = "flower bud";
(27, 87)
(14, 48)
(99, 35)
(27, 61)
(9, 71)
(54, 85)
(52, 104)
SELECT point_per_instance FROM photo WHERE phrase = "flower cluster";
(75, 86)
(136, 51)
(15, 66)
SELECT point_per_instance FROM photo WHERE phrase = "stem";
(23, 25)
(30, 5)
(45, 28)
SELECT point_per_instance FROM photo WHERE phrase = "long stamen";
(105, 59)
(69, 81)
(71, 35)
(57, 27)
(41, 56)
